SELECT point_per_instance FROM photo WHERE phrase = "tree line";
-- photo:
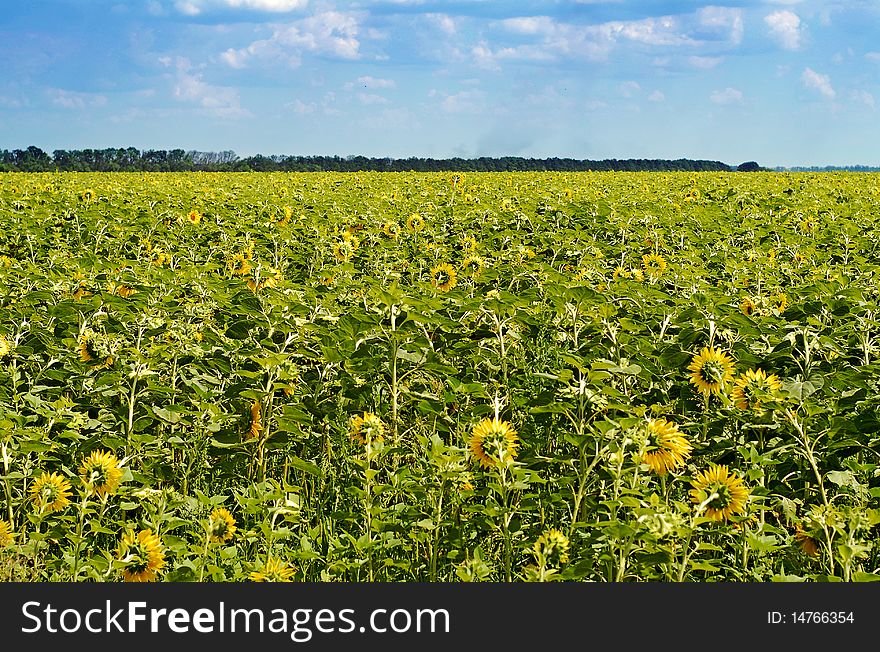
(132, 159)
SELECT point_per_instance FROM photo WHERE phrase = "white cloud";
(371, 98)
(220, 101)
(375, 83)
(818, 82)
(76, 100)
(332, 32)
(530, 25)
(725, 22)
(468, 101)
(727, 96)
(196, 7)
(301, 107)
(872, 56)
(629, 88)
(657, 96)
(444, 23)
(785, 26)
(704, 63)
(864, 97)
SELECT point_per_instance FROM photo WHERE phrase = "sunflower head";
(468, 243)
(747, 307)
(256, 426)
(711, 370)
(88, 195)
(239, 265)
(722, 493)
(807, 544)
(6, 533)
(5, 347)
(194, 217)
(494, 442)
(285, 216)
(473, 265)
(753, 387)
(221, 525)
(443, 277)
(101, 473)
(344, 249)
(779, 302)
(391, 229)
(551, 548)
(273, 571)
(667, 448)
(142, 556)
(654, 265)
(367, 428)
(415, 222)
(51, 492)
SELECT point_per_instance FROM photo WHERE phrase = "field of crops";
(440, 377)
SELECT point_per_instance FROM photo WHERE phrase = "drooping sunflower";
(808, 544)
(273, 571)
(101, 473)
(143, 556)
(221, 525)
(754, 386)
(367, 428)
(667, 449)
(391, 229)
(239, 265)
(344, 249)
(256, 426)
(285, 217)
(443, 277)
(51, 492)
(194, 217)
(551, 548)
(415, 222)
(654, 265)
(493, 441)
(710, 370)
(473, 265)
(747, 306)
(725, 492)
(6, 534)
(779, 302)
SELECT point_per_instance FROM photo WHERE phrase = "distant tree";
(748, 166)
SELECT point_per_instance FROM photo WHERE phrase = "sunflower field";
(440, 377)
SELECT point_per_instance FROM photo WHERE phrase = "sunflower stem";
(79, 529)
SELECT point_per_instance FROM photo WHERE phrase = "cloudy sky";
(782, 82)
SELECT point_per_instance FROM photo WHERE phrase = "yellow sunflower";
(5, 347)
(88, 195)
(142, 555)
(667, 449)
(747, 306)
(194, 217)
(6, 534)
(286, 216)
(808, 544)
(239, 265)
(344, 249)
(51, 492)
(551, 548)
(493, 442)
(637, 274)
(367, 428)
(415, 222)
(725, 492)
(221, 525)
(468, 244)
(779, 302)
(710, 370)
(273, 571)
(654, 265)
(754, 386)
(256, 426)
(473, 265)
(443, 277)
(101, 473)
(391, 229)
(620, 272)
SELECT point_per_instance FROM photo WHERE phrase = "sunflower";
(51, 492)
(754, 386)
(285, 218)
(779, 302)
(468, 243)
(391, 229)
(367, 428)
(88, 195)
(256, 426)
(710, 370)
(473, 265)
(5, 347)
(493, 442)
(415, 222)
(551, 548)
(221, 525)
(273, 571)
(724, 493)
(443, 277)
(654, 265)
(239, 265)
(806, 543)
(194, 217)
(668, 449)
(747, 306)
(86, 349)
(620, 272)
(101, 473)
(143, 556)
(6, 534)
(637, 274)
(344, 249)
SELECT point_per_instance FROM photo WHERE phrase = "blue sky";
(782, 82)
